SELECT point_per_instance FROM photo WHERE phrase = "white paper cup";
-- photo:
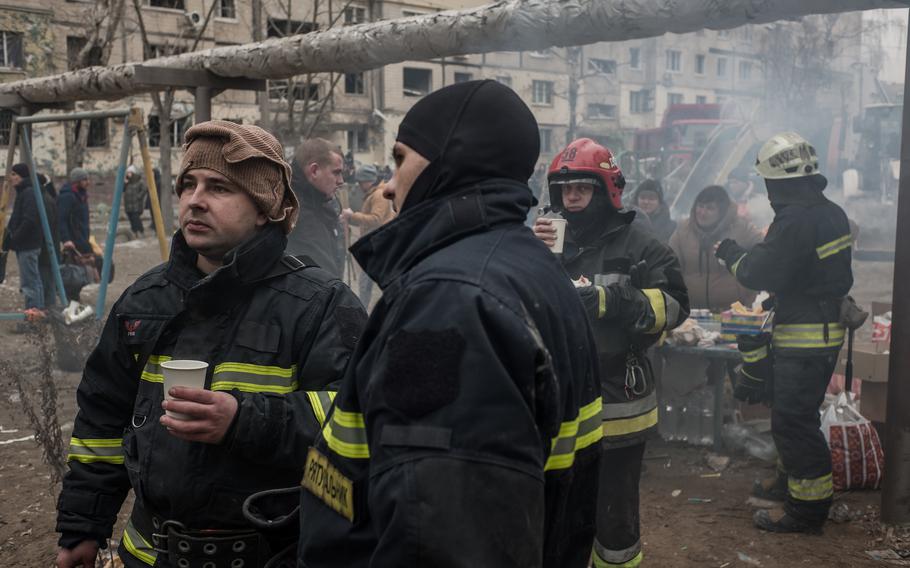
(182, 373)
(560, 226)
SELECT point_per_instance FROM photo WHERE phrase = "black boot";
(776, 520)
(771, 488)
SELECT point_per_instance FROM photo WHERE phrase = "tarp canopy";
(515, 25)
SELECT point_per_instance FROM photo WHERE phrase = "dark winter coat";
(24, 228)
(662, 225)
(805, 261)
(135, 195)
(73, 217)
(274, 334)
(710, 285)
(466, 429)
(318, 233)
(630, 414)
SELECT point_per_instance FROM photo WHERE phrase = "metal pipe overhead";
(514, 25)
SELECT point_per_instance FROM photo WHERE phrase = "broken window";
(172, 4)
(542, 92)
(602, 66)
(98, 132)
(598, 110)
(354, 15)
(353, 84)
(285, 28)
(358, 139)
(227, 9)
(163, 50)
(463, 77)
(297, 90)
(11, 50)
(6, 126)
(178, 128)
(416, 82)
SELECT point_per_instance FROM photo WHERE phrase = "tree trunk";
(573, 58)
(513, 25)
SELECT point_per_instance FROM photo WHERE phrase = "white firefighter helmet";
(786, 155)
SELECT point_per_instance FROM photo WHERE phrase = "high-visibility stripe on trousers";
(818, 489)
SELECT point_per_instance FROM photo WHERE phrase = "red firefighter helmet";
(586, 161)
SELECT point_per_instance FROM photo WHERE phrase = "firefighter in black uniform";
(274, 331)
(466, 430)
(804, 262)
(634, 292)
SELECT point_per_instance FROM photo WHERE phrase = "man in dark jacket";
(274, 333)
(25, 237)
(805, 261)
(465, 431)
(649, 197)
(73, 213)
(633, 290)
(316, 176)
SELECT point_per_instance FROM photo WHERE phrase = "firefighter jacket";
(465, 432)
(805, 261)
(275, 335)
(626, 377)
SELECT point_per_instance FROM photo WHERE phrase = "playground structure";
(133, 124)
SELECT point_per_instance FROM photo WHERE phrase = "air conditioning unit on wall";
(193, 20)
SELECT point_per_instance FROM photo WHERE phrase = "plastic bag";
(857, 458)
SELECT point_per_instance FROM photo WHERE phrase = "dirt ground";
(676, 531)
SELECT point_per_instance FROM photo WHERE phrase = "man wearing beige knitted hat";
(273, 331)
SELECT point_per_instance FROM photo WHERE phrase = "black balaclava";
(806, 189)
(470, 132)
(587, 225)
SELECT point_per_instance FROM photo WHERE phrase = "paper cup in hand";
(182, 373)
(560, 226)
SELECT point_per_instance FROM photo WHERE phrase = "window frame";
(542, 92)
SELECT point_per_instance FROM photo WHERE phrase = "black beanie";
(22, 170)
(470, 132)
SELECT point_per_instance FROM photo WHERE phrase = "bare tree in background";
(303, 102)
(164, 105)
(799, 58)
(102, 22)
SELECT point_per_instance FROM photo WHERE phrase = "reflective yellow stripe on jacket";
(346, 434)
(321, 401)
(152, 370)
(808, 336)
(625, 418)
(247, 377)
(575, 435)
(818, 489)
(137, 545)
(90, 450)
(834, 247)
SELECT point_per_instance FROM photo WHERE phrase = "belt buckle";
(160, 539)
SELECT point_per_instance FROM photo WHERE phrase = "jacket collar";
(393, 249)
(249, 262)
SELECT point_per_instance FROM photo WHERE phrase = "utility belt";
(206, 548)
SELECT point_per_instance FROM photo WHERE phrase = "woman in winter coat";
(134, 196)
(713, 219)
(649, 197)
